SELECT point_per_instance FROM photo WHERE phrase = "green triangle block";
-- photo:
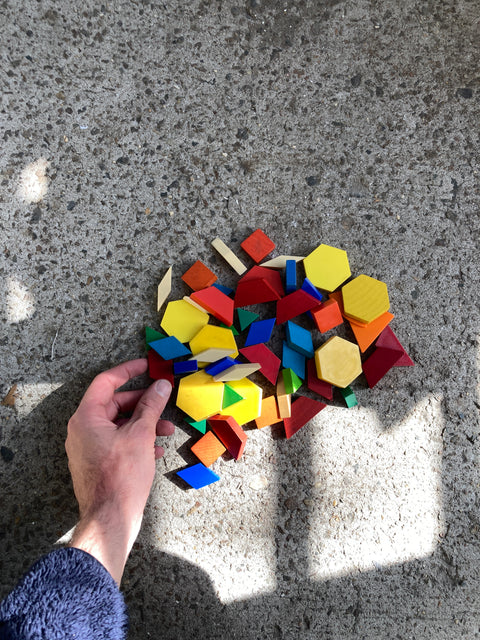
(291, 380)
(201, 425)
(151, 335)
(245, 318)
(232, 328)
(349, 397)
(230, 396)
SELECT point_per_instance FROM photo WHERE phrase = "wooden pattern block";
(212, 343)
(170, 348)
(309, 288)
(249, 408)
(283, 399)
(292, 359)
(220, 365)
(199, 277)
(268, 361)
(151, 335)
(380, 363)
(327, 267)
(164, 288)
(291, 381)
(228, 255)
(365, 299)
(183, 320)
(199, 396)
(185, 366)
(158, 368)
(236, 372)
(226, 290)
(208, 449)
(272, 277)
(198, 476)
(254, 292)
(290, 276)
(231, 327)
(389, 340)
(366, 335)
(216, 303)
(194, 304)
(200, 425)
(338, 362)
(269, 414)
(349, 397)
(299, 339)
(316, 385)
(303, 410)
(230, 397)
(245, 318)
(258, 245)
(260, 332)
(294, 304)
(230, 434)
(280, 262)
(327, 316)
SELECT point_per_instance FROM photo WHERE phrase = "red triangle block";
(158, 368)
(216, 303)
(379, 363)
(269, 362)
(230, 434)
(263, 273)
(321, 387)
(303, 410)
(389, 340)
(294, 304)
(254, 292)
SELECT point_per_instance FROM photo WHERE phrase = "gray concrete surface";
(153, 127)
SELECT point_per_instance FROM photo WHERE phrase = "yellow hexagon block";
(199, 396)
(183, 320)
(338, 362)
(365, 299)
(250, 407)
(327, 267)
(210, 337)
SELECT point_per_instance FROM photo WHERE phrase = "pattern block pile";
(211, 359)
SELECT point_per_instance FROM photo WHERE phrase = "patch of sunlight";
(20, 302)
(227, 529)
(28, 396)
(33, 183)
(378, 495)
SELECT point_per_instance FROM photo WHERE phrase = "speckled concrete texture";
(135, 132)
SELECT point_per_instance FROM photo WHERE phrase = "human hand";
(112, 461)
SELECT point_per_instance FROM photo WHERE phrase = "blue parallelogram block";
(290, 276)
(260, 332)
(170, 348)
(226, 290)
(198, 476)
(311, 289)
(186, 366)
(291, 359)
(299, 339)
(220, 365)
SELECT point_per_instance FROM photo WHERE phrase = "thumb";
(151, 405)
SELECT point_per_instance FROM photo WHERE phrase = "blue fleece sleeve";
(66, 594)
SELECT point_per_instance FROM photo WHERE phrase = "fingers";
(159, 451)
(165, 428)
(104, 385)
(124, 402)
(152, 403)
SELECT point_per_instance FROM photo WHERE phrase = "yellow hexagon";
(327, 267)
(211, 336)
(338, 362)
(199, 396)
(250, 407)
(183, 320)
(365, 299)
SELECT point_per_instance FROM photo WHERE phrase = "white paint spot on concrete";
(33, 184)
(20, 302)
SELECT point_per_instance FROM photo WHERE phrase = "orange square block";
(327, 316)
(269, 413)
(199, 276)
(258, 245)
(208, 449)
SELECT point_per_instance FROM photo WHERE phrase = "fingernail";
(163, 388)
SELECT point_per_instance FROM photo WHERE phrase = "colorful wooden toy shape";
(231, 327)
(208, 449)
(389, 340)
(316, 385)
(365, 299)
(349, 397)
(292, 359)
(268, 361)
(290, 276)
(221, 287)
(366, 335)
(230, 397)
(379, 363)
(327, 267)
(303, 410)
(164, 288)
(230, 434)
(195, 304)
(158, 368)
(228, 255)
(327, 316)
(201, 425)
(236, 372)
(185, 366)
(338, 362)
(309, 288)
(260, 332)
(283, 399)
(223, 342)
(170, 348)
(199, 396)
(219, 365)
(299, 339)
(245, 318)
(198, 476)
(199, 276)
(269, 414)
(291, 381)
(183, 320)
(151, 335)
(280, 262)
(254, 292)
(249, 408)
(261, 273)
(216, 303)
(258, 245)
(294, 304)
